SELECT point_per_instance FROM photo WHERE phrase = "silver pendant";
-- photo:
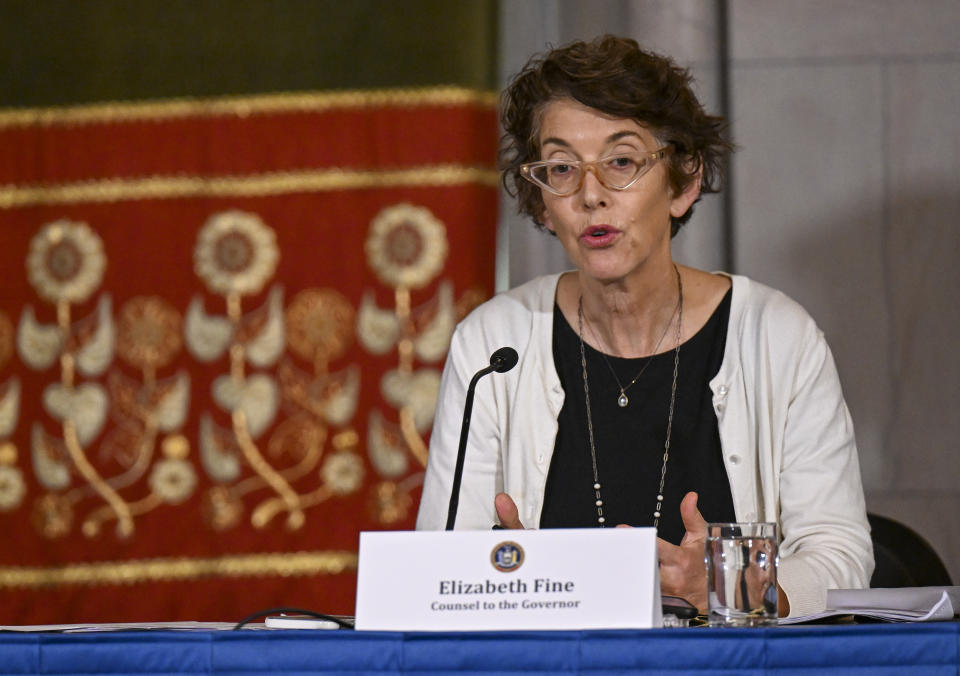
(622, 400)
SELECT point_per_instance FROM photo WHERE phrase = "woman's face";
(607, 233)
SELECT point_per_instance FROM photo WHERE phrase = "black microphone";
(501, 361)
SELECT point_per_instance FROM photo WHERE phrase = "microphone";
(501, 361)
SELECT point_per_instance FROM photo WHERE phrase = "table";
(874, 650)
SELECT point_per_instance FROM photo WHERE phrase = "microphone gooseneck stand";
(501, 361)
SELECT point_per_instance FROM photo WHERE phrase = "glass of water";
(742, 574)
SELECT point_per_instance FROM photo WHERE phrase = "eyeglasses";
(616, 172)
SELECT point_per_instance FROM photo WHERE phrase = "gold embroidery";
(168, 401)
(117, 504)
(176, 446)
(236, 253)
(331, 397)
(219, 452)
(386, 446)
(38, 344)
(84, 406)
(221, 508)
(131, 443)
(246, 106)
(285, 564)
(254, 458)
(270, 507)
(256, 397)
(391, 502)
(258, 185)
(12, 486)
(95, 520)
(301, 438)
(377, 329)
(139, 411)
(53, 515)
(50, 462)
(9, 409)
(262, 333)
(172, 480)
(342, 472)
(148, 334)
(416, 444)
(8, 453)
(319, 326)
(66, 261)
(6, 339)
(207, 335)
(434, 324)
(406, 246)
(92, 339)
(415, 391)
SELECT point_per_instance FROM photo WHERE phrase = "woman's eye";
(622, 163)
(560, 169)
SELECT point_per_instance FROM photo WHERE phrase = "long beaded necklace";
(673, 397)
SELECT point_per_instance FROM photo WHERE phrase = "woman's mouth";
(599, 235)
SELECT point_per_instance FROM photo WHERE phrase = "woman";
(647, 393)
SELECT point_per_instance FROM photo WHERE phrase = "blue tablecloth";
(877, 650)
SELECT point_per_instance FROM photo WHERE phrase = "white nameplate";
(591, 578)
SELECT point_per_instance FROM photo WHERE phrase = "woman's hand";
(507, 511)
(683, 572)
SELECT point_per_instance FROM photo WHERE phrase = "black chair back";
(903, 557)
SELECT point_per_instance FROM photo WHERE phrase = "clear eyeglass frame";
(601, 168)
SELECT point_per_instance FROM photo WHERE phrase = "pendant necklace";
(623, 400)
(601, 520)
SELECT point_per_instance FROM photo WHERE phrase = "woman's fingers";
(507, 511)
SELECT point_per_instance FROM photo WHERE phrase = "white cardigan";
(785, 432)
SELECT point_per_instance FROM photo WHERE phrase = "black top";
(629, 441)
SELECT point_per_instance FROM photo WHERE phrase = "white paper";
(903, 604)
(566, 579)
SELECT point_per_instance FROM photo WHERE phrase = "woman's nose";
(592, 191)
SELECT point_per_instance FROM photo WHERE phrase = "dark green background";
(74, 51)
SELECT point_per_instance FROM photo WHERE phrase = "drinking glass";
(742, 574)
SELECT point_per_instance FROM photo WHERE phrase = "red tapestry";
(222, 325)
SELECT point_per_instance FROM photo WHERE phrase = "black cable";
(343, 623)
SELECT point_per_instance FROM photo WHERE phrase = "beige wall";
(847, 197)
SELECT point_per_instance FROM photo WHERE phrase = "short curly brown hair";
(612, 75)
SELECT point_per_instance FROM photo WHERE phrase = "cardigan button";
(734, 459)
(540, 459)
(722, 391)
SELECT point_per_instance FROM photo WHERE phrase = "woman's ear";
(545, 219)
(681, 202)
